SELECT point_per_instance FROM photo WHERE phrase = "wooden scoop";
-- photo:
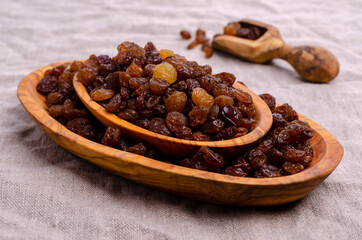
(174, 146)
(315, 64)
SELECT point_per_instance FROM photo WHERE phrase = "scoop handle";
(313, 63)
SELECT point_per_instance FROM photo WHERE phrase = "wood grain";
(191, 183)
(313, 63)
(180, 147)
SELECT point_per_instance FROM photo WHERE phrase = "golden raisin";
(223, 100)
(165, 53)
(102, 94)
(166, 71)
(176, 102)
(201, 98)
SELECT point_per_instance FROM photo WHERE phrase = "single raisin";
(185, 34)
(227, 78)
(292, 168)
(112, 137)
(166, 71)
(159, 85)
(47, 84)
(175, 120)
(206, 159)
(102, 94)
(201, 98)
(269, 100)
(242, 96)
(165, 53)
(139, 149)
(213, 127)
(198, 116)
(114, 103)
(223, 100)
(176, 102)
(158, 125)
(199, 136)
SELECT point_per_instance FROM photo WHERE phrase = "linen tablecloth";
(49, 193)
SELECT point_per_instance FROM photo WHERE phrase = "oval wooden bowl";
(191, 183)
(174, 146)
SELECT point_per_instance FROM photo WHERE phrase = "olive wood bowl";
(175, 146)
(313, 63)
(191, 183)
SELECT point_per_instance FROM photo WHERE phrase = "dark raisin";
(114, 103)
(139, 149)
(270, 171)
(269, 100)
(175, 120)
(112, 137)
(292, 168)
(159, 85)
(235, 170)
(213, 113)
(206, 159)
(143, 123)
(227, 78)
(55, 98)
(198, 116)
(199, 136)
(184, 133)
(47, 84)
(158, 125)
(229, 115)
(128, 114)
(257, 159)
(213, 127)
(226, 133)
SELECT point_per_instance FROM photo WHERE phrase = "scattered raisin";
(185, 34)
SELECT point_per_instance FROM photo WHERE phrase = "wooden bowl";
(190, 183)
(180, 147)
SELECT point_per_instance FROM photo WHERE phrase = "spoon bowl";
(174, 146)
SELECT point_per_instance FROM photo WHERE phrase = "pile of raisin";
(244, 30)
(165, 93)
(65, 106)
(283, 151)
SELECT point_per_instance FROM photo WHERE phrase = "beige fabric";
(48, 193)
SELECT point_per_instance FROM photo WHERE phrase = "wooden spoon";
(313, 63)
(174, 146)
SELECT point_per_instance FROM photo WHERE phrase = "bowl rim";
(263, 115)
(328, 162)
